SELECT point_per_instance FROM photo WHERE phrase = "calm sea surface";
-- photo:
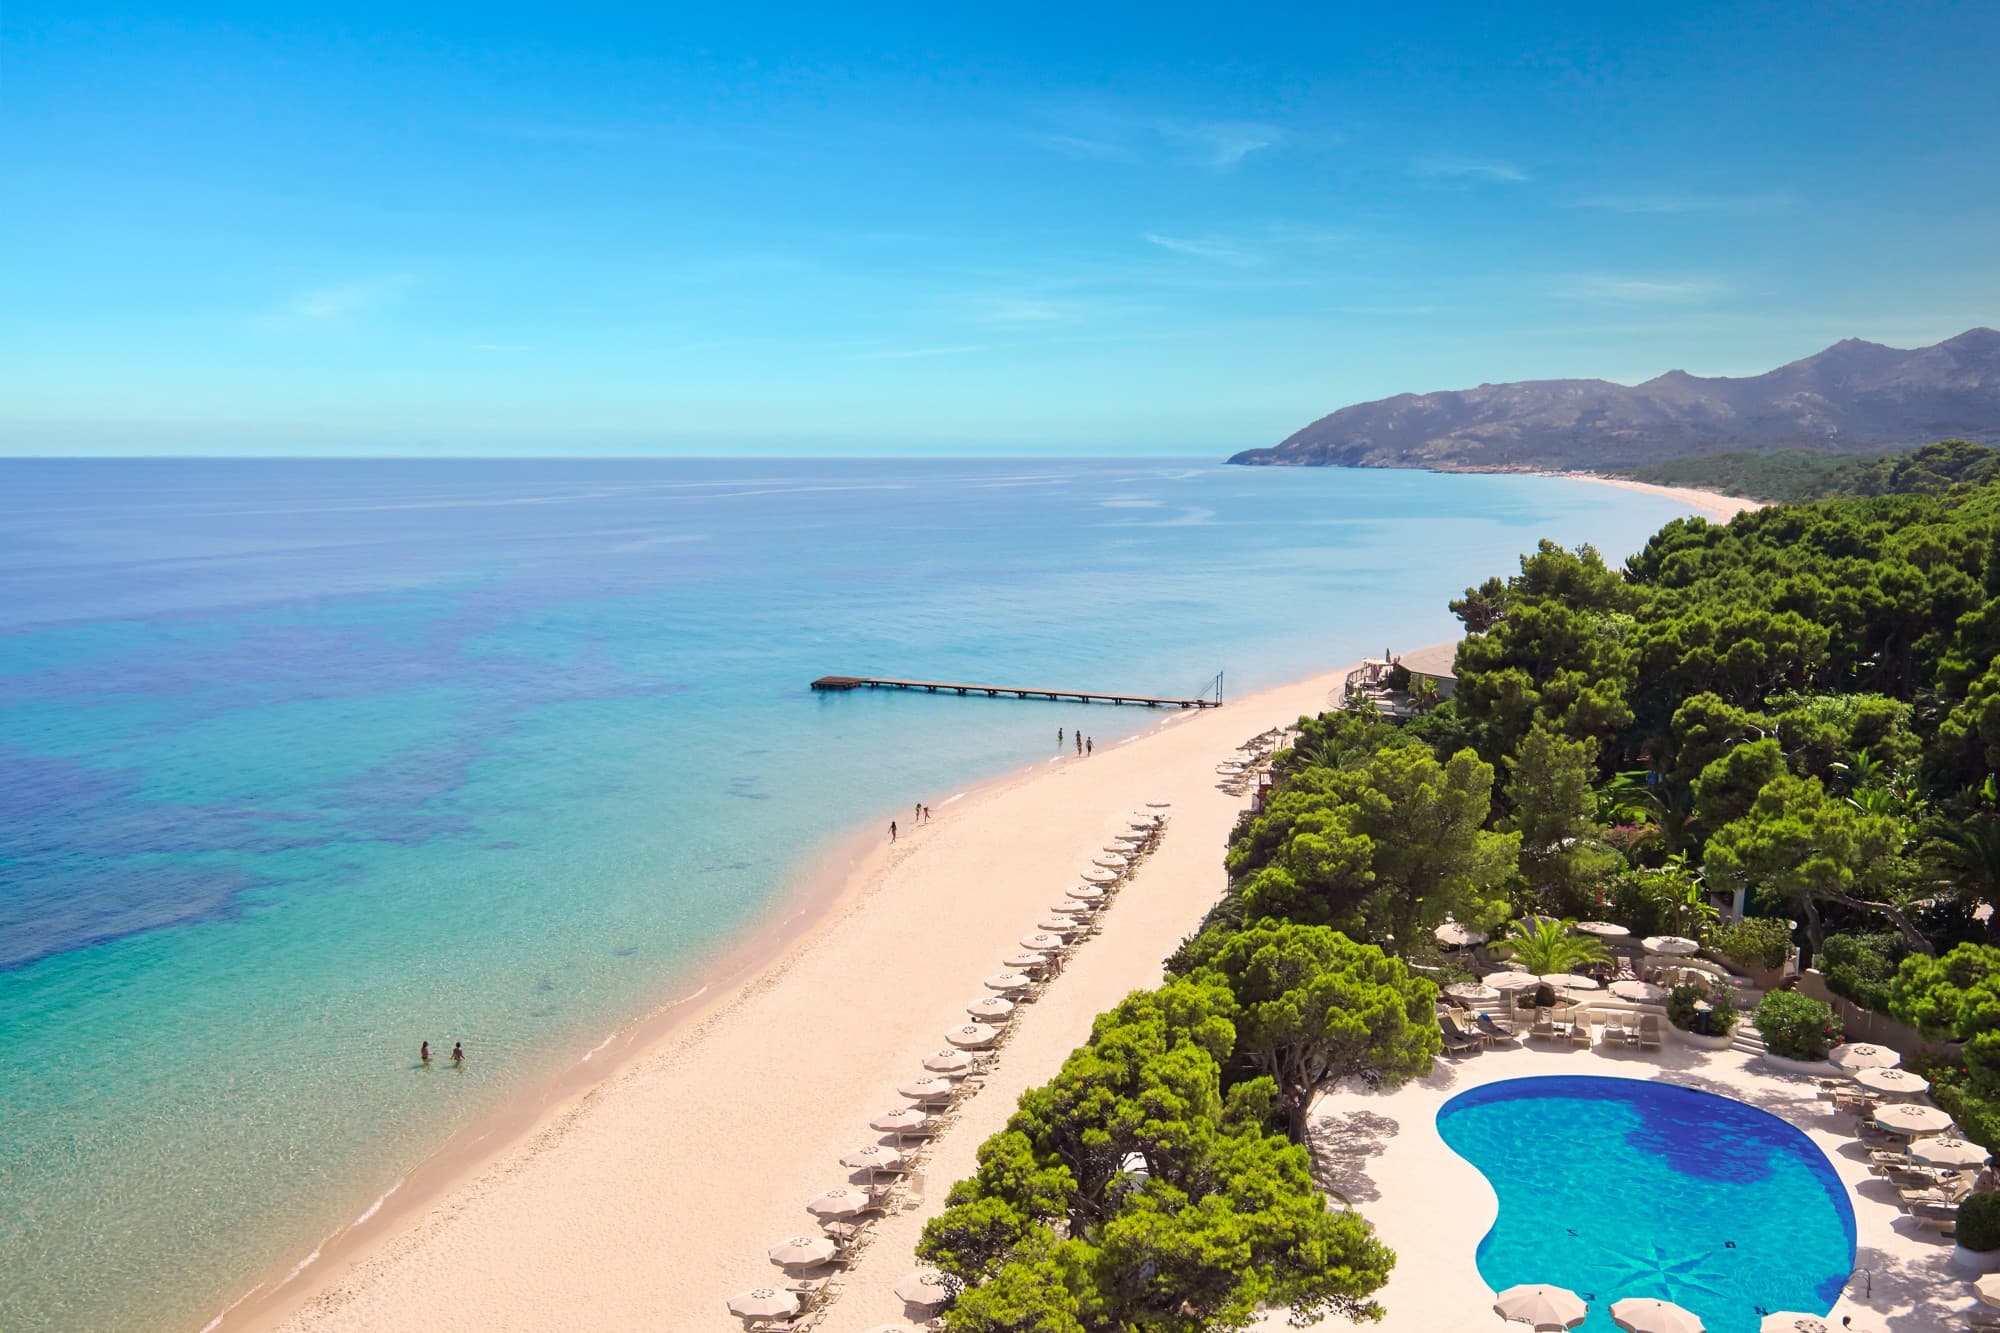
(302, 762)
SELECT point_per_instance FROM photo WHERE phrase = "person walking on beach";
(1079, 742)
(458, 1053)
(892, 830)
(1059, 738)
(1090, 745)
(424, 1052)
(918, 817)
(927, 814)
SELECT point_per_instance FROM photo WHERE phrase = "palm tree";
(1968, 855)
(1547, 946)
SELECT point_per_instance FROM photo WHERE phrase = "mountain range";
(1854, 397)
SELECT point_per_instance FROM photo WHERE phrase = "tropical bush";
(1547, 946)
(1797, 1026)
(1979, 1221)
(1754, 942)
(1862, 967)
(1718, 1020)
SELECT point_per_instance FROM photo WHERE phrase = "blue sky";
(424, 228)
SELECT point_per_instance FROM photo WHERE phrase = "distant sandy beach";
(1710, 504)
(649, 1191)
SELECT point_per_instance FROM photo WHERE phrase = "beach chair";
(1940, 1217)
(1982, 1319)
(1579, 1031)
(1456, 1039)
(1493, 1031)
(1649, 1032)
(1544, 1025)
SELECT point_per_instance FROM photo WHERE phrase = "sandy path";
(646, 1201)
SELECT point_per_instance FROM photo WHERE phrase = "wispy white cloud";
(1737, 204)
(1096, 133)
(909, 353)
(1207, 247)
(1642, 289)
(1451, 166)
(1220, 145)
(343, 301)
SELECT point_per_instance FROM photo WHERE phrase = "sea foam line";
(375, 1207)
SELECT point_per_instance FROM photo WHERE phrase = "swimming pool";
(1615, 1187)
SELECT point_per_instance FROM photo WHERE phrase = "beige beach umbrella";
(803, 1251)
(1059, 925)
(1793, 1321)
(1071, 907)
(1947, 1150)
(1604, 930)
(875, 1157)
(1861, 1055)
(1471, 990)
(935, 1088)
(1544, 1306)
(839, 1203)
(948, 1062)
(1159, 805)
(1084, 893)
(1016, 962)
(1912, 1118)
(1569, 981)
(891, 1328)
(902, 1120)
(1512, 981)
(1043, 941)
(1008, 981)
(1145, 824)
(764, 1303)
(1988, 1288)
(1672, 945)
(1099, 877)
(992, 1009)
(972, 1036)
(926, 1287)
(1131, 839)
(1648, 1314)
(1893, 1082)
(1457, 935)
(1640, 992)
(1108, 864)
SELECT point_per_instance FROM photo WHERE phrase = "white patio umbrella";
(1640, 992)
(1604, 930)
(1471, 990)
(839, 1203)
(1159, 805)
(926, 1287)
(1457, 935)
(902, 1120)
(1988, 1288)
(1512, 981)
(874, 1157)
(1542, 1305)
(926, 1089)
(1912, 1118)
(764, 1303)
(1648, 1314)
(1042, 941)
(1015, 962)
(1131, 839)
(1569, 981)
(1861, 1055)
(1099, 876)
(1947, 1150)
(1893, 1082)
(1147, 824)
(1679, 945)
(1059, 925)
(1084, 893)
(1108, 864)
(1793, 1321)
(992, 1009)
(1071, 907)
(948, 1062)
(1006, 981)
(803, 1251)
(972, 1036)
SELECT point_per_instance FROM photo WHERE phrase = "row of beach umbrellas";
(1548, 1308)
(927, 1288)
(1458, 935)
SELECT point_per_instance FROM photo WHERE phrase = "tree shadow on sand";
(1342, 1144)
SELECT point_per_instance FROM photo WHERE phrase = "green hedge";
(1861, 967)
(1754, 942)
(1797, 1026)
(1979, 1222)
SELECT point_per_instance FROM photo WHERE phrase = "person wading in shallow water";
(458, 1052)
(424, 1052)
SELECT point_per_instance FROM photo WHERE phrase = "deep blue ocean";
(302, 762)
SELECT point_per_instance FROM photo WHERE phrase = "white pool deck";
(1381, 1150)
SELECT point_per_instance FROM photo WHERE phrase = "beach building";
(1402, 685)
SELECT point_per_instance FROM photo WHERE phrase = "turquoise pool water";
(1614, 1187)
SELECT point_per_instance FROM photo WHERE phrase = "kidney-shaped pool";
(1615, 1187)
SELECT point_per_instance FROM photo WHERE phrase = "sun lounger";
(1936, 1216)
(1545, 1024)
(1649, 1032)
(1982, 1319)
(1493, 1031)
(1579, 1031)
(1456, 1038)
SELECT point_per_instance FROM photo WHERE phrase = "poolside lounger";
(1455, 1037)
(1649, 1032)
(1982, 1319)
(1579, 1031)
(1935, 1216)
(1545, 1024)
(1493, 1031)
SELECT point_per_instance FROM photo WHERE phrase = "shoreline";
(366, 1273)
(1710, 504)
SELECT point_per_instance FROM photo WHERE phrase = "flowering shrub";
(1797, 1026)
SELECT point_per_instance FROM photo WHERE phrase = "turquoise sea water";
(1614, 1187)
(303, 762)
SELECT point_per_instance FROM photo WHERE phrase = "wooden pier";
(1016, 691)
